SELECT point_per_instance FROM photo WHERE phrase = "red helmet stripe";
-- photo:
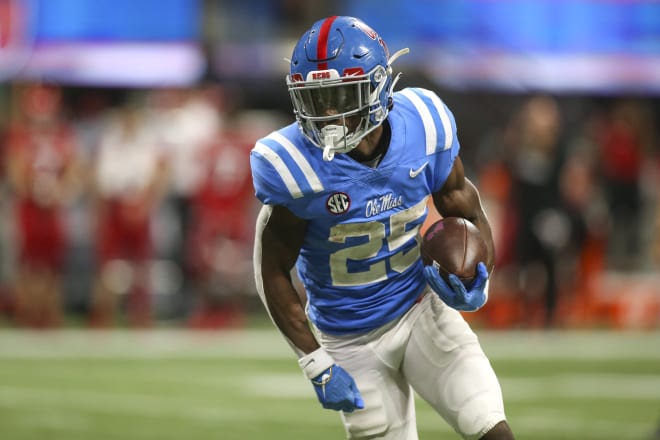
(322, 44)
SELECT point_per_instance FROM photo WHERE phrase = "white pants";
(431, 350)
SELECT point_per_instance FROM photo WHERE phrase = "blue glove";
(336, 390)
(454, 293)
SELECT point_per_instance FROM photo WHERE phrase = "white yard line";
(143, 344)
(562, 386)
(64, 400)
(268, 344)
(583, 386)
(594, 345)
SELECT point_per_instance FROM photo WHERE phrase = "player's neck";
(372, 148)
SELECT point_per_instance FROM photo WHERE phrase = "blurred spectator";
(547, 229)
(186, 121)
(220, 245)
(41, 167)
(6, 224)
(130, 176)
(580, 262)
(625, 139)
(655, 244)
(89, 108)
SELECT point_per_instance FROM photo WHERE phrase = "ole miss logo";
(338, 203)
(372, 34)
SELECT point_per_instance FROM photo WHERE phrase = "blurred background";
(126, 198)
(126, 126)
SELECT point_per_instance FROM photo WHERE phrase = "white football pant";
(431, 350)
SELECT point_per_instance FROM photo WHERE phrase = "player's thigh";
(445, 364)
(389, 411)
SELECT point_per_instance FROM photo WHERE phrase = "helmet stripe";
(322, 42)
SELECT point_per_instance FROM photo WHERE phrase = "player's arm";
(280, 236)
(458, 197)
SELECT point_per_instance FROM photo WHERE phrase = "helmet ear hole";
(379, 74)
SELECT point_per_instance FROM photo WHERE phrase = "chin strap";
(328, 154)
(331, 134)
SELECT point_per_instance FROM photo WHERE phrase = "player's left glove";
(336, 390)
(334, 386)
(455, 294)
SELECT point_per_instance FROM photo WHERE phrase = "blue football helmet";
(340, 69)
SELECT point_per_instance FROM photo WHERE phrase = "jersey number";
(376, 232)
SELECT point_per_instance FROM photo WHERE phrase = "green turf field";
(75, 385)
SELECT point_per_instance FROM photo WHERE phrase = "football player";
(345, 191)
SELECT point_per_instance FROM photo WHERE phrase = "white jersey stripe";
(446, 123)
(299, 159)
(427, 120)
(281, 168)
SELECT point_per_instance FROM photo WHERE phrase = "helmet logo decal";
(338, 203)
(322, 44)
(366, 29)
(372, 34)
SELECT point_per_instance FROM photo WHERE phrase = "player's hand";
(454, 293)
(334, 387)
(336, 390)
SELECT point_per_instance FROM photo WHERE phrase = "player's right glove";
(455, 294)
(334, 387)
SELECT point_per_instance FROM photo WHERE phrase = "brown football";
(456, 245)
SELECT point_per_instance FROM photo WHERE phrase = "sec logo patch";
(338, 203)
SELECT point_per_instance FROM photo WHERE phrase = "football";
(454, 245)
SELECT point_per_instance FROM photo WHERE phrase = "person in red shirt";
(41, 168)
(129, 178)
(625, 141)
(220, 245)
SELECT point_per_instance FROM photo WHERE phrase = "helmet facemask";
(335, 112)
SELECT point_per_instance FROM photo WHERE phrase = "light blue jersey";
(360, 261)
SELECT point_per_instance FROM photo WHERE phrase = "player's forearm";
(278, 240)
(481, 222)
(288, 314)
(475, 213)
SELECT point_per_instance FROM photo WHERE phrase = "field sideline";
(172, 384)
